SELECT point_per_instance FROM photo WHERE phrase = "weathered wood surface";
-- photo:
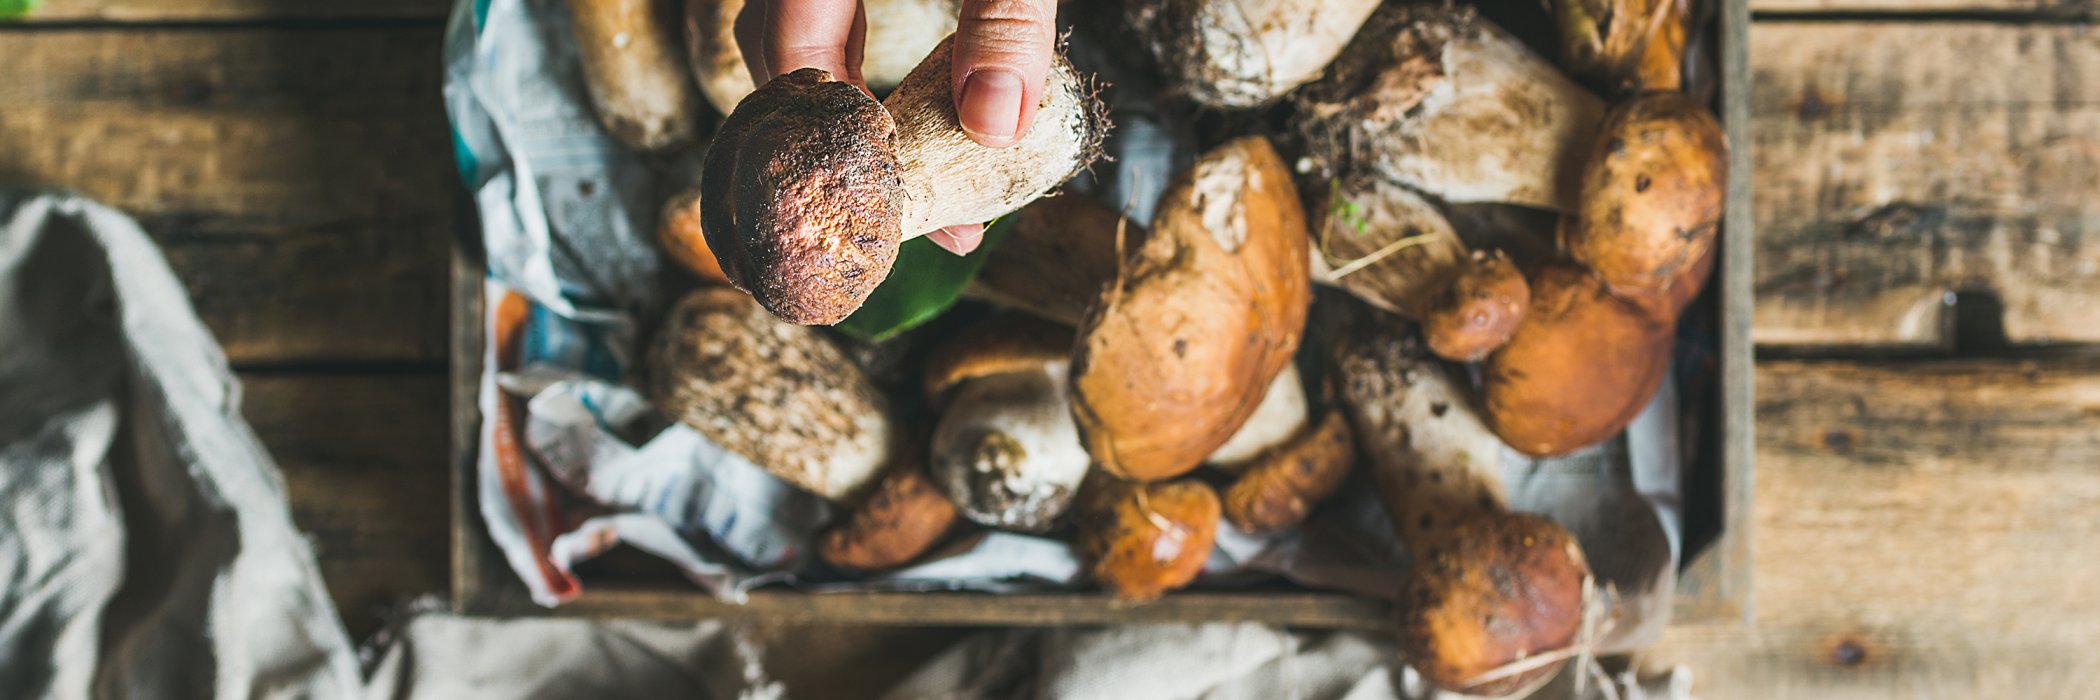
(1923, 529)
(1322, 610)
(2009, 9)
(231, 10)
(366, 473)
(299, 179)
(1898, 162)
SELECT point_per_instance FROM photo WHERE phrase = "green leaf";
(11, 9)
(926, 281)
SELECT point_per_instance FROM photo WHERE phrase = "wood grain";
(365, 469)
(1893, 9)
(1321, 610)
(1896, 163)
(300, 180)
(232, 10)
(1922, 529)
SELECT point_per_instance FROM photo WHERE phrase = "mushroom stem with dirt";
(812, 184)
(899, 32)
(1437, 98)
(631, 69)
(780, 395)
(1182, 347)
(1243, 53)
(1005, 449)
(1489, 588)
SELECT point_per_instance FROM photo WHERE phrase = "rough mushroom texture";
(1182, 347)
(1281, 487)
(818, 184)
(1489, 587)
(903, 517)
(1141, 540)
(1580, 367)
(1006, 450)
(1434, 97)
(780, 395)
(1651, 194)
(1479, 310)
(631, 69)
(1243, 53)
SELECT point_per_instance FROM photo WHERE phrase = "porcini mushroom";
(1478, 310)
(1280, 416)
(899, 32)
(1580, 366)
(1141, 540)
(812, 184)
(1489, 587)
(1281, 485)
(678, 231)
(1243, 53)
(1432, 96)
(1626, 46)
(1059, 254)
(1651, 194)
(1183, 345)
(631, 69)
(1384, 244)
(780, 395)
(1006, 450)
(903, 516)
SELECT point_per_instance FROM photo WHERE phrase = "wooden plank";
(1321, 610)
(231, 10)
(300, 180)
(1898, 162)
(2011, 9)
(1922, 530)
(364, 462)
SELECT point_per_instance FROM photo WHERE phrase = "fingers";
(1002, 58)
(783, 36)
(959, 239)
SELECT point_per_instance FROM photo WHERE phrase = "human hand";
(1002, 59)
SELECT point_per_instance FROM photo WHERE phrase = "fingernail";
(991, 104)
(944, 240)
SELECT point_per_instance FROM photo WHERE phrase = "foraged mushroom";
(903, 517)
(1282, 485)
(1489, 587)
(780, 395)
(1005, 450)
(812, 184)
(1580, 367)
(1141, 540)
(1432, 96)
(678, 231)
(1182, 347)
(900, 32)
(1243, 53)
(1628, 46)
(1059, 254)
(1479, 310)
(1651, 194)
(1384, 244)
(1280, 417)
(631, 69)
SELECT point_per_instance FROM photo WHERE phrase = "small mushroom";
(1580, 367)
(678, 231)
(1141, 540)
(1281, 486)
(1624, 46)
(1432, 96)
(1243, 53)
(631, 69)
(1479, 310)
(1182, 347)
(780, 395)
(1006, 450)
(899, 33)
(903, 517)
(1651, 194)
(812, 184)
(1489, 587)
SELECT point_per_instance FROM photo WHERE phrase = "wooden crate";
(1713, 585)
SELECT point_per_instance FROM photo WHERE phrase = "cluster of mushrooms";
(1129, 385)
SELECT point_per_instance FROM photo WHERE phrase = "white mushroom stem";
(1432, 459)
(1242, 53)
(1281, 415)
(1007, 451)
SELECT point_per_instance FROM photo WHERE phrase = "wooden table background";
(1928, 311)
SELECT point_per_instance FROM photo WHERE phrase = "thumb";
(1002, 58)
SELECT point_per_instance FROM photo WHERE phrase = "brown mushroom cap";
(1182, 347)
(1479, 310)
(679, 233)
(1650, 195)
(902, 518)
(1501, 589)
(802, 188)
(1581, 365)
(1282, 487)
(1142, 540)
(1008, 342)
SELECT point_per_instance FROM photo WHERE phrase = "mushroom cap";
(802, 187)
(1503, 587)
(902, 518)
(1479, 310)
(1008, 342)
(1005, 449)
(1142, 540)
(1581, 365)
(782, 396)
(1650, 195)
(678, 232)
